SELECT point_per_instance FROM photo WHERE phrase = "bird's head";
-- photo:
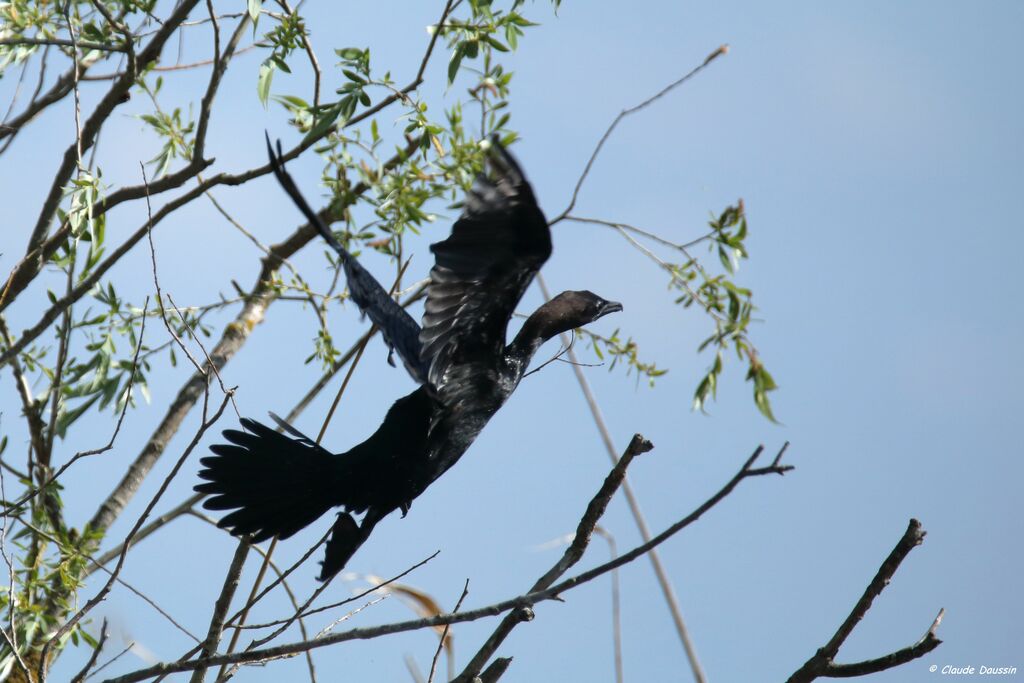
(572, 309)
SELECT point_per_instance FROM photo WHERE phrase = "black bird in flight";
(276, 484)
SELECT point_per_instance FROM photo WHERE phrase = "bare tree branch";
(64, 84)
(221, 607)
(117, 427)
(594, 512)
(158, 523)
(626, 112)
(284, 584)
(444, 634)
(522, 602)
(114, 97)
(821, 665)
(102, 594)
(234, 337)
(307, 612)
(496, 670)
(671, 601)
(81, 675)
(63, 42)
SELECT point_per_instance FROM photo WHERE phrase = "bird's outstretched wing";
(480, 273)
(399, 329)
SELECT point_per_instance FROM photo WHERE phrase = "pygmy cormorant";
(276, 484)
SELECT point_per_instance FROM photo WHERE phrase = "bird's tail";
(276, 484)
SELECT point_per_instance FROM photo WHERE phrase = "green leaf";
(723, 256)
(263, 82)
(456, 61)
(292, 101)
(324, 122)
(281, 64)
(353, 76)
(66, 419)
(763, 383)
(89, 639)
(254, 10)
(764, 405)
(349, 53)
(496, 44)
(512, 36)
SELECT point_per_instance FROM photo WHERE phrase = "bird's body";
(279, 483)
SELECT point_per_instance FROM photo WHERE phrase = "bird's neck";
(537, 329)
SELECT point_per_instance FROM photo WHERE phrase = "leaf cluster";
(729, 306)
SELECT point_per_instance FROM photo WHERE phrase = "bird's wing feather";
(399, 329)
(480, 273)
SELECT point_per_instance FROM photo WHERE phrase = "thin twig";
(83, 674)
(284, 584)
(616, 605)
(346, 601)
(330, 627)
(220, 608)
(683, 247)
(634, 506)
(63, 42)
(158, 523)
(113, 659)
(172, 67)
(517, 603)
(444, 634)
(595, 510)
(102, 594)
(72, 551)
(117, 427)
(626, 112)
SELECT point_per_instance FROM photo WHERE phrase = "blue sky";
(877, 147)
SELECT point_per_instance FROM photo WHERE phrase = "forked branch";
(821, 665)
(522, 604)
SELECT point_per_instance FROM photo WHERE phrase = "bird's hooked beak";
(609, 307)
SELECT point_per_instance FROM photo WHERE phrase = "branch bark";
(61, 88)
(595, 510)
(521, 603)
(821, 665)
(102, 594)
(220, 608)
(115, 96)
(233, 338)
(634, 504)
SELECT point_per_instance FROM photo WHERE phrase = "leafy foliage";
(380, 189)
(626, 352)
(729, 306)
